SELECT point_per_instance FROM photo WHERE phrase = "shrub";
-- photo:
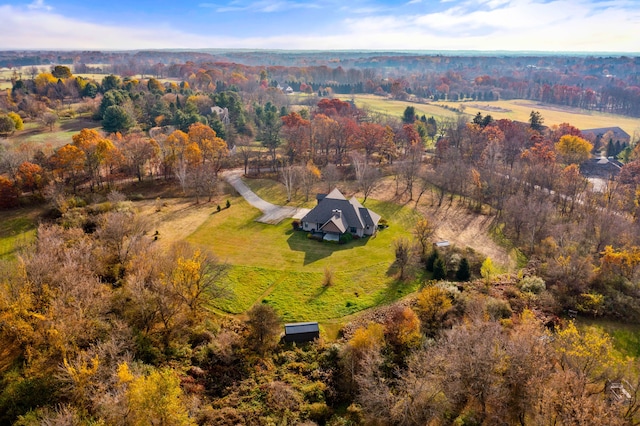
(498, 309)
(316, 237)
(328, 276)
(346, 238)
(295, 225)
(382, 224)
(532, 284)
(218, 208)
(228, 204)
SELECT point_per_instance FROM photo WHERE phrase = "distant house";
(222, 113)
(288, 90)
(301, 332)
(616, 133)
(335, 215)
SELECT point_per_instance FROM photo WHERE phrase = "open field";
(39, 136)
(520, 110)
(517, 109)
(396, 108)
(275, 264)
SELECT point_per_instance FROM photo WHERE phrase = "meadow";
(516, 109)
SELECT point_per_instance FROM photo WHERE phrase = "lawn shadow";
(316, 250)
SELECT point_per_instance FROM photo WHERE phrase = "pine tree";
(439, 269)
(431, 260)
(463, 273)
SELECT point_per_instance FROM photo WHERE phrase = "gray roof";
(353, 214)
(301, 327)
(617, 132)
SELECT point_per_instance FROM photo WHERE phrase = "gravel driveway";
(272, 214)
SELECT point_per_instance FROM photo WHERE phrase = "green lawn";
(276, 193)
(16, 229)
(40, 136)
(396, 108)
(274, 264)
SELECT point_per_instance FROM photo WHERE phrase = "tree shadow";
(316, 250)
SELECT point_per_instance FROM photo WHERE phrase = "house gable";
(335, 214)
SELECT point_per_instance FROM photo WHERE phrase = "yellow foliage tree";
(155, 399)
(588, 352)
(432, 308)
(573, 149)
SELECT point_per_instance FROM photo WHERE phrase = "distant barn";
(301, 332)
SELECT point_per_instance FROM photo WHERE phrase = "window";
(352, 230)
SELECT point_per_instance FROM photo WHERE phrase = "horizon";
(580, 27)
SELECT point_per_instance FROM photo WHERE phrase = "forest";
(106, 320)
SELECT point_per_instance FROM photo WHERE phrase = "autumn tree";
(49, 119)
(195, 279)
(433, 306)
(423, 231)
(573, 149)
(264, 327)
(69, 162)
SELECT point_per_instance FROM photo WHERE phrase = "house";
(334, 215)
(301, 332)
(222, 113)
(616, 134)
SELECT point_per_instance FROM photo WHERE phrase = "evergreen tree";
(463, 273)
(439, 269)
(431, 260)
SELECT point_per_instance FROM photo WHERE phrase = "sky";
(444, 25)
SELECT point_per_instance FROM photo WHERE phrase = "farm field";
(517, 109)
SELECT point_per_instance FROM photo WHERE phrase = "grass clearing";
(626, 337)
(396, 108)
(274, 264)
(276, 193)
(39, 136)
(17, 228)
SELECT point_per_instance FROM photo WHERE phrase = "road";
(272, 213)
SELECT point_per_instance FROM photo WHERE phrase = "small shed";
(301, 332)
(442, 244)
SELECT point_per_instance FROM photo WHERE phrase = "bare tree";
(367, 177)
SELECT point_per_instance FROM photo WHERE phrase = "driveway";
(272, 214)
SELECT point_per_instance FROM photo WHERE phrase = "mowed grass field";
(17, 228)
(274, 264)
(517, 109)
(396, 108)
(39, 136)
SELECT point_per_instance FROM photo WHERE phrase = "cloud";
(39, 5)
(264, 6)
(533, 25)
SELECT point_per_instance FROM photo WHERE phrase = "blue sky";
(540, 25)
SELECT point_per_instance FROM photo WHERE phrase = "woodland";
(106, 321)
